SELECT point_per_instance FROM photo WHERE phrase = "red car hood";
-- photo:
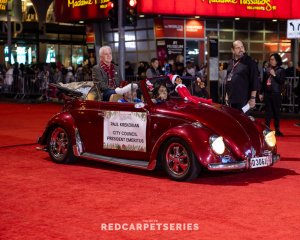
(237, 129)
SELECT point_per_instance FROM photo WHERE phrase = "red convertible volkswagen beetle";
(181, 136)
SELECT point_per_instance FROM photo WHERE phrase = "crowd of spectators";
(20, 78)
(34, 79)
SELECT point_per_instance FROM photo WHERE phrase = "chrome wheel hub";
(177, 159)
(59, 144)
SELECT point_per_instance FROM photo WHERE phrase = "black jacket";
(277, 82)
(244, 78)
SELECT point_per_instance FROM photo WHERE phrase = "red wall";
(69, 11)
(280, 9)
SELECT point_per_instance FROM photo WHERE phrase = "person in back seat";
(130, 96)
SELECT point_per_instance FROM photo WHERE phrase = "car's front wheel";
(179, 160)
(59, 146)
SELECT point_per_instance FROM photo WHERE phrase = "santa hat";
(149, 85)
(173, 77)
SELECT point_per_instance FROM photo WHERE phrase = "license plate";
(258, 162)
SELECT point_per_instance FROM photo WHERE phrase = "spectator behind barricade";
(190, 70)
(2, 76)
(297, 91)
(22, 69)
(92, 59)
(57, 75)
(179, 66)
(23, 78)
(69, 76)
(265, 70)
(289, 71)
(129, 74)
(271, 91)
(221, 83)
(260, 69)
(79, 73)
(8, 81)
(200, 88)
(86, 70)
(202, 73)
(142, 68)
(43, 81)
(171, 63)
(17, 75)
(154, 70)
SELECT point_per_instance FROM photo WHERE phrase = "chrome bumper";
(236, 165)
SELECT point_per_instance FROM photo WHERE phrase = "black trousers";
(238, 106)
(272, 107)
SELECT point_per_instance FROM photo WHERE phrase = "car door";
(123, 129)
(87, 118)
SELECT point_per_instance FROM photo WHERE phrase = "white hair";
(101, 50)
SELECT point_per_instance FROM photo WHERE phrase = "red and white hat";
(173, 77)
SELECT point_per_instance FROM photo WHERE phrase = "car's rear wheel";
(59, 146)
(179, 160)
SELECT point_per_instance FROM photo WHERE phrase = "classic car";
(173, 133)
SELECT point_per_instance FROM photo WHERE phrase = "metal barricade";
(288, 94)
(18, 86)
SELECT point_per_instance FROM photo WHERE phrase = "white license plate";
(260, 162)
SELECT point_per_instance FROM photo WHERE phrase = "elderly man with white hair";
(106, 77)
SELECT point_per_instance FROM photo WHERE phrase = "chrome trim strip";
(42, 149)
(227, 166)
(275, 158)
(118, 161)
(79, 147)
(76, 151)
(236, 165)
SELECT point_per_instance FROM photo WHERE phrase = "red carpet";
(43, 200)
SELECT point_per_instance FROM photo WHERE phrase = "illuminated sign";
(168, 28)
(293, 28)
(280, 9)
(178, 28)
(3, 4)
(78, 10)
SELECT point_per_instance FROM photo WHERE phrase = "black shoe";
(278, 133)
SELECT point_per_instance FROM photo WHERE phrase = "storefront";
(170, 27)
(36, 36)
(166, 28)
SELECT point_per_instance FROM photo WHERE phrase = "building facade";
(51, 30)
(36, 36)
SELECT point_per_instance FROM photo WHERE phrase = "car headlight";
(217, 144)
(270, 138)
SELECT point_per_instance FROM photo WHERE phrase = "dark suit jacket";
(100, 79)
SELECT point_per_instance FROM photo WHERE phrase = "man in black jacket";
(242, 81)
(154, 70)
